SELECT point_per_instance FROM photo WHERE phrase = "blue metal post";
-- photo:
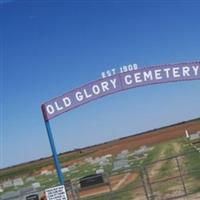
(55, 156)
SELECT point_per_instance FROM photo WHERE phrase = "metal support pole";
(55, 156)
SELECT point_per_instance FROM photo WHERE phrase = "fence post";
(106, 175)
(143, 182)
(181, 176)
(149, 184)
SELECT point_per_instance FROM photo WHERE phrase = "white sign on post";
(56, 193)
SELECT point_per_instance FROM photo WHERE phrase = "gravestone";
(91, 180)
(32, 197)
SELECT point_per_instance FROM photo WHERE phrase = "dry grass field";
(112, 147)
(162, 175)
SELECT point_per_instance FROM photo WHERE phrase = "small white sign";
(56, 193)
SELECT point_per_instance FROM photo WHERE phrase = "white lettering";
(113, 82)
(87, 95)
(176, 72)
(96, 90)
(137, 77)
(50, 109)
(195, 68)
(113, 71)
(128, 80)
(103, 75)
(79, 96)
(130, 67)
(57, 106)
(166, 70)
(104, 86)
(109, 73)
(148, 75)
(158, 74)
(66, 101)
(186, 71)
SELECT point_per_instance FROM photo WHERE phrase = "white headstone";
(30, 179)
(99, 171)
(36, 185)
(7, 184)
(65, 169)
(1, 189)
(18, 182)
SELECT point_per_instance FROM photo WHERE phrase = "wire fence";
(175, 177)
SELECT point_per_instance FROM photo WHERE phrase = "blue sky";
(51, 47)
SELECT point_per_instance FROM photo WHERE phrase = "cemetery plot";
(125, 166)
(170, 173)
